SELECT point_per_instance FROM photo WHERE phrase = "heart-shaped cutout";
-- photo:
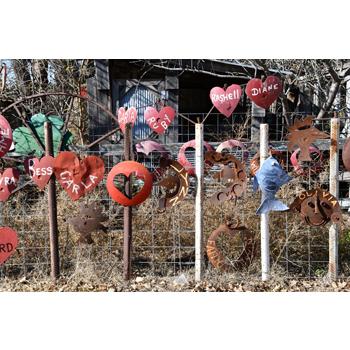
(8, 243)
(159, 121)
(40, 171)
(127, 168)
(226, 101)
(8, 182)
(126, 116)
(76, 176)
(5, 136)
(264, 93)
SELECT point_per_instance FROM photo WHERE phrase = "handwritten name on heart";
(8, 243)
(40, 171)
(5, 136)
(226, 101)
(78, 177)
(159, 121)
(126, 116)
(8, 182)
(264, 93)
(127, 168)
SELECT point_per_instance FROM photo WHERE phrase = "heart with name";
(264, 93)
(159, 121)
(127, 168)
(227, 100)
(126, 116)
(5, 136)
(8, 182)
(78, 176)
(40, 171)
(8, 243)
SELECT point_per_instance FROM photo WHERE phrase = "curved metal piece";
(255, 162)
(230, 144)
(315, 167)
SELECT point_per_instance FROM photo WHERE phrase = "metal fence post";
(199, 164)
(264, 219)
(334, 190)
(52, 206)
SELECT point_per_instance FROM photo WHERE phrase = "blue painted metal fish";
(269, 179)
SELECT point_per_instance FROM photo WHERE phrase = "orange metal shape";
(8, 243)
(5, 136)
(41, 170)
(8, 182)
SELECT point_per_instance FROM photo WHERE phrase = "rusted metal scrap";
(89, 219)
(255, 162)
(317, 207)
(246, 256)
(232, 172)
(175, 184)
(301, 135)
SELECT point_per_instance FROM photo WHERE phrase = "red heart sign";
(8, 243)
(8, 182)
(264, 93)
(226, 101)
(76, 176)
(41, 170)
(5, 136)
(159, 121)
(125, 117)
(127, 168)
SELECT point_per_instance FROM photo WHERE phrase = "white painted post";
(264, 220)
(334, 190)
(199, 164)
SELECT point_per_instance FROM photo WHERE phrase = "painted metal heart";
(8, 182)
(40, 171)
(8, 243)
(76, 176)
(226, 101)
(264, 93)
(159, 121)
(5, 136)
(126, 116)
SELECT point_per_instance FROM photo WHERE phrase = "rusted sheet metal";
(125, 116)
(346, 154)
(227, 100)
(8, 182)
(5, 136)
(302, 134)
(40, 171)
(88, 220)
(182, 159)
(255, 162)
(159, 121)
(317, 207)
(231, 144)
(8, 243)
(248, 253)
(314, 167)
(149, 146)
(127, 168)
(175, 183)
(264, 93)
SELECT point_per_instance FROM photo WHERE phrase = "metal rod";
(52, 205)
(334, 190)
(127, 210)
(199, 163)
(205, 118)
(264, 220)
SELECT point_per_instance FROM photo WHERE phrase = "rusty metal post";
(127, 210)
(52, 204)
(334, 190)
(199, 164)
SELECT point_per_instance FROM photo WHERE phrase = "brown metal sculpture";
(88, 220)
(317, 207)
(232, 172)
(216, 257)
(255, 162)
(301, 135)
(176, 185)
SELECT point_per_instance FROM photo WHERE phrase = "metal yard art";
(126, 116)
(346, 154)
(159, 121)
(8, 243)
(8, 182)
(314, 167)
(227, 100)
(40, 170)
(5, 136)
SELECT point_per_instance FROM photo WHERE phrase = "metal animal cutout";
(317, 207)
(302, 134)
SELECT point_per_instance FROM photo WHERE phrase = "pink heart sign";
(126, 116)
(5, 136)
(159, 121)
(41, 170)
(264, 93)
(8, 243)
(8, 182)
(226, 101)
